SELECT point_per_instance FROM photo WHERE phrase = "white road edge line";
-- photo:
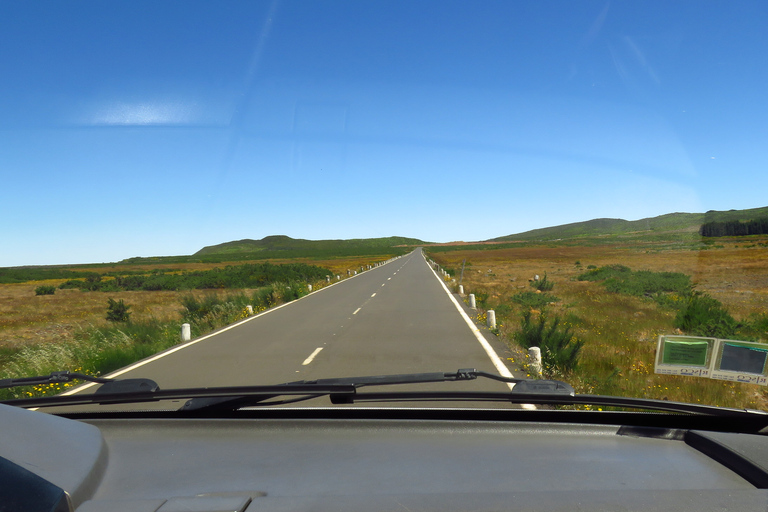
(170, 351)
(495, 359)
(311, 356)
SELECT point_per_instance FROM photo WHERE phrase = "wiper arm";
(523, 387)
(463, 374)
(109, 386)
(52, 378)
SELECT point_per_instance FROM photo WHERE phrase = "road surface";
(396, 318)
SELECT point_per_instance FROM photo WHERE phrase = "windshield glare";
(253, 193)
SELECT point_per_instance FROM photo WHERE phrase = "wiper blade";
(542, 397)
(52, 378)
(345, 391)
(109, 386)
(523, 387)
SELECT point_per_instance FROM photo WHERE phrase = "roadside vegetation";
(95, 330)
(598, 325)
(232, 276)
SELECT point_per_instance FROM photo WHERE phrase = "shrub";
(703, 315)
(543, 284)
(621, 279)
(45, 290)
(533, 300)
(559, 350)
(117, 311)
(601, 273)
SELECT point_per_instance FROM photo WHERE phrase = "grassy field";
(619, 330)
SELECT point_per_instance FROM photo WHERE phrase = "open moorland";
(618, 320)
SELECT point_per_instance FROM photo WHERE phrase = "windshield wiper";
(525, 387)
(347, 391)
(52, 378)
(109, 386)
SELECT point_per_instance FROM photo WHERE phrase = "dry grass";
(621, 331)
(26, 318)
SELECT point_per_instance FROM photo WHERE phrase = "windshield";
(250, 193)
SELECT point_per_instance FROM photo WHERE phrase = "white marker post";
(461, 289)
(534, 354)
(309, 288)
(186, 332)
(250, 309)
(491, 319)
(472, 301)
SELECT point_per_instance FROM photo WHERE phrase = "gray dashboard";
(283, 464)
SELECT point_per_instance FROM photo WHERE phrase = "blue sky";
(157, 128)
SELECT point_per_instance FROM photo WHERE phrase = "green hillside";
(671, 222)
(284, 247)
(282, 243)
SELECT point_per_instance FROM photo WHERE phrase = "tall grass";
(559, 348)
(619, 324)
(100, 350)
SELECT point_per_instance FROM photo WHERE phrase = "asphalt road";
(396, 318)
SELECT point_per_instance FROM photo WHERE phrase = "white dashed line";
(358, 309)
(311, 356)
(372, 296)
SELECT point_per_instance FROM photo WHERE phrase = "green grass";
(11, 275)
(622, 279)
(249, 275)
(533, 300)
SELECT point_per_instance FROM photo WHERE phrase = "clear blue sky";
(156, 128)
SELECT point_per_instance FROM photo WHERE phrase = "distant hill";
(680, 222)
(277, 246)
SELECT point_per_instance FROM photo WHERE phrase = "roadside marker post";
(186, 332)
(491, 319)
(534, 354)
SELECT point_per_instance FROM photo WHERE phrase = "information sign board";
(685, 355)
(736, 361)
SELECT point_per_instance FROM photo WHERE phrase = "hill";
(282, 243)
(671, 222)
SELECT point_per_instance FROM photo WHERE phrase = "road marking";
(372, 296)
(389, 279)
(311, 356)
(495, 359)
(382, 284)
(358, 309)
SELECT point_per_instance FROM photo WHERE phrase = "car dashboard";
(371, 459)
